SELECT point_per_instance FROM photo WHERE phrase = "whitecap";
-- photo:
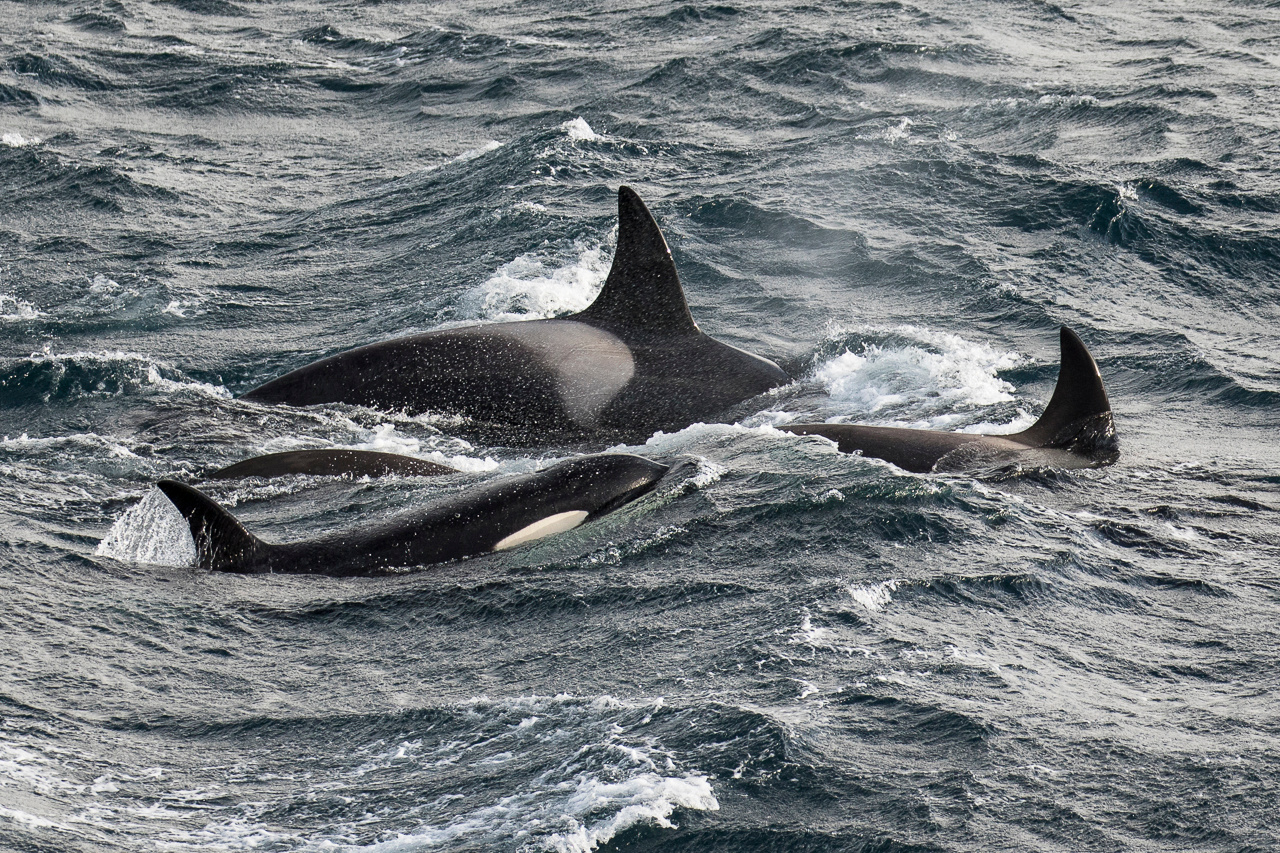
(385, 438)
(579, 131)
(13, 308)
(17, 140)
(876, 596)
(928, 380)
(135, 370)
(648, 798)
(538, 286)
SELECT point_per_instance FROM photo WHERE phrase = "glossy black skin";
(632, 363)
(1075, 431)
(505, 387)
(463, 525)
(331, 462)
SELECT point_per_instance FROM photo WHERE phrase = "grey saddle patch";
(590, 365)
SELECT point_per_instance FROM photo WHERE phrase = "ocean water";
(787, 650)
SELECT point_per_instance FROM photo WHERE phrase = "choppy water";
(794, 650)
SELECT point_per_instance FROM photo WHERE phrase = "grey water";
(789, 649)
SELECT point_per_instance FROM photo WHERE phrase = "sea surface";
(788, 649)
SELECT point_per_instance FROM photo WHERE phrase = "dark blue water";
(789, 650)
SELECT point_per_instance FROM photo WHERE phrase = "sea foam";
(152, 531)
(925, 381)
(538, 286)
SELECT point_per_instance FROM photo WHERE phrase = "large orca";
(1075, 431)
(631, 363)
(494, 516)
(331, 462)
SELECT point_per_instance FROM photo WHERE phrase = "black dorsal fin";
(222, 543)
(642, 292)
(1078, 416)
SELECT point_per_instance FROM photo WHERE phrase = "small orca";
(331, 462)
(631, 363)
(1075, 431)
(493, 516)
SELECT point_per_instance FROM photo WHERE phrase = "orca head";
(585, 489)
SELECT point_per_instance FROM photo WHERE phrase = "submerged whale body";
(631, 363)
(1075, 431)
(491, 517)
(331, 462)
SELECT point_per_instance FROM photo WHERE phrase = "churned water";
(789, 649)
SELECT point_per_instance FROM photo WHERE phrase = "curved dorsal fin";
(642, 292)
(222, 544)
(1078, 416)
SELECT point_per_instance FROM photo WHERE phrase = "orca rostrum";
(331, 462)
(493, 516)
(631, 363)
(1075, 431)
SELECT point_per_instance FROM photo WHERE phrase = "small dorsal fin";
(1078, 416)
(222, 543)
(642, 292)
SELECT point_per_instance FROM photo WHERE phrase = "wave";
(539, 285)
(57, 71)
(555, 773)
(34, 175)
(44, 377)
(917, 377)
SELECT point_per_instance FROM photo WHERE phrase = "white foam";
(899, 132)
(13, 308)
(929, 380)
(26, 819)
(579, 131)
(808, 634)
(648, 798)
(180, 307)
(17, 140)
(155, 378)
(145, 370)
(467, 156)
(81, 440)
(537, 286)
(384, 438)
(101, 284)
(151, 531)
(1068, 101)
(875, 597)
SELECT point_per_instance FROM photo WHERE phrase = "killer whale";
(331, 462)
(1076, 429)
(491, 517)
(631, 363)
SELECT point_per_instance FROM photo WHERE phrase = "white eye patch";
(558, 523)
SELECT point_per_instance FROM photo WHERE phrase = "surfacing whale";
(1075, 431)
(331, 462)
(493, 516)
(631, 363)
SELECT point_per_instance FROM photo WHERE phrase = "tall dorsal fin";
(222, 544)
(642, 292)
(1078, 416)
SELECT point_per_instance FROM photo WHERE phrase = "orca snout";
(621, 478)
